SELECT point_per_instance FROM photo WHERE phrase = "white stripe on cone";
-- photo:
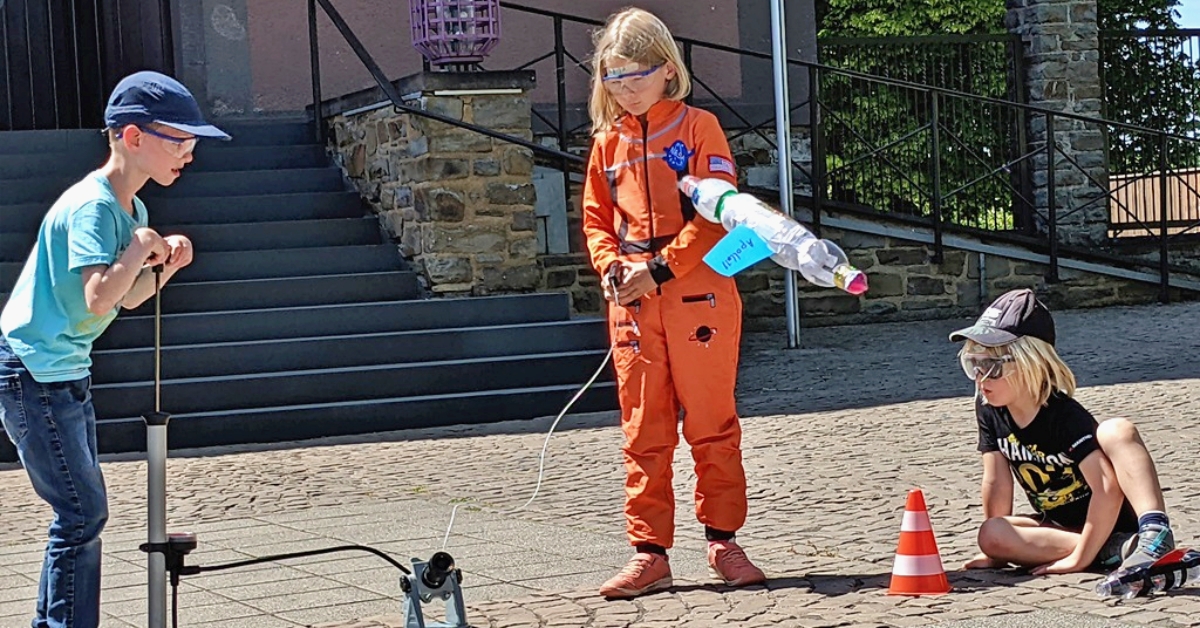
(915, 522)
(917, 565)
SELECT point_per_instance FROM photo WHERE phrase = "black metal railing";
(984, 64)
(1043, 186)
(1152, 78)
(59, 59)
(52, 74)
(970, 137)
(915, 152)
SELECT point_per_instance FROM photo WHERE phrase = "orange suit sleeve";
(599, 213)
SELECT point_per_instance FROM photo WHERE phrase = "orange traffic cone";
(918, 569)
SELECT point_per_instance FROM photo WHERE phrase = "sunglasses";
(980, 365)
(629, 81)
(178, 147)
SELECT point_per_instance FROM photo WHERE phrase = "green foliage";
(1119, 15)
(1150, 80)
(892, 18)
(878, 144)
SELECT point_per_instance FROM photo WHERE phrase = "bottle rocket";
(1176, 569)
(792, 245)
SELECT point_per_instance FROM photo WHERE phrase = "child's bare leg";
(1121, 442)
(1022, 541)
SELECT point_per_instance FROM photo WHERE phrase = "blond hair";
(1037, 370)
(638, 36)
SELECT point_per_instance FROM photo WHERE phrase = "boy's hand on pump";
(155, 247)
(180, 251)
(636, 281)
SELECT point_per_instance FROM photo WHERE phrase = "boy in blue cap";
(94, 253)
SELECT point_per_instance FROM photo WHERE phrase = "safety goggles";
(621, 82)
(981, 365)
(178, 147)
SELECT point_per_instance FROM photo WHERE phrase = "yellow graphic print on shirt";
(1049, 481)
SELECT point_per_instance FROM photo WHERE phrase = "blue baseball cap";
(146, 97)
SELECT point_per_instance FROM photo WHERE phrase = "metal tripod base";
(417, 592)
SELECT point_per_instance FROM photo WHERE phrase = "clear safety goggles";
(178, 147)
(982, 365)
(629, 81)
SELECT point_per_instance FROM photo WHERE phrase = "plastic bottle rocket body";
(1164, 575)
(793, 246)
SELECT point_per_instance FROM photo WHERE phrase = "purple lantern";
(455, 34)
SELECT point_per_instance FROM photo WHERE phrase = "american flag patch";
(720, 164)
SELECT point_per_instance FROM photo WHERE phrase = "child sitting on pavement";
(1093, 485)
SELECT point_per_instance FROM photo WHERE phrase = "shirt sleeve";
(1076, 428)
(599, 214)
(92, 237)
(986, 416)
(712, 160)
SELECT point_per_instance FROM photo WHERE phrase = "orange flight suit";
(677, 347)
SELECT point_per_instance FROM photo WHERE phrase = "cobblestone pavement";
(835, 434)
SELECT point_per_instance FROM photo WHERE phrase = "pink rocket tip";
(858, 284)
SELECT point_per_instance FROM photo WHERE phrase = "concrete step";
(250, 294)
(349, 384)
(346, 351)
(307, 421)
(47, 189)
(130, 331)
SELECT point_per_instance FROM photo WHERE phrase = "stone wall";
(459, 204)
(1062, 73)
(758, 160)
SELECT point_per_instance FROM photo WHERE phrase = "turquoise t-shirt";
(46, 320)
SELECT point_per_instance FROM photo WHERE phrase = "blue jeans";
(53, 427)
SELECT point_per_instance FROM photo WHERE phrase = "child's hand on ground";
(1070, 564)
(983, 561)
(180, 251)
(636, 282)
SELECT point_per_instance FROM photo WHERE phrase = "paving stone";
(834, 434)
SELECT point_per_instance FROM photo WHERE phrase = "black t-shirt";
(1045, 456)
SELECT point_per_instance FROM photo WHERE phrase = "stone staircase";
(297, 320)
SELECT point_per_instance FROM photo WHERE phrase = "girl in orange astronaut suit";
(675, 322)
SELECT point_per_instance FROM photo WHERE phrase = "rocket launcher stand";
(164, 553)
(439, 579)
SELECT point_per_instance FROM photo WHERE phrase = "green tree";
(1150, 79)
(878, 135)
(892, 18)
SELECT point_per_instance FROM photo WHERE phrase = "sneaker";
(644, 573)
(1152, 543)
(1120, 545)
(729, 562)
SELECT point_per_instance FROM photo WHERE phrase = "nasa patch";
(677, 156)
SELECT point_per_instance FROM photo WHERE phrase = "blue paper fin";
(737, 251)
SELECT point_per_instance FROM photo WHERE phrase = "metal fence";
(59, 58)
(1152, 79)
(879, 139)
(987, 65)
